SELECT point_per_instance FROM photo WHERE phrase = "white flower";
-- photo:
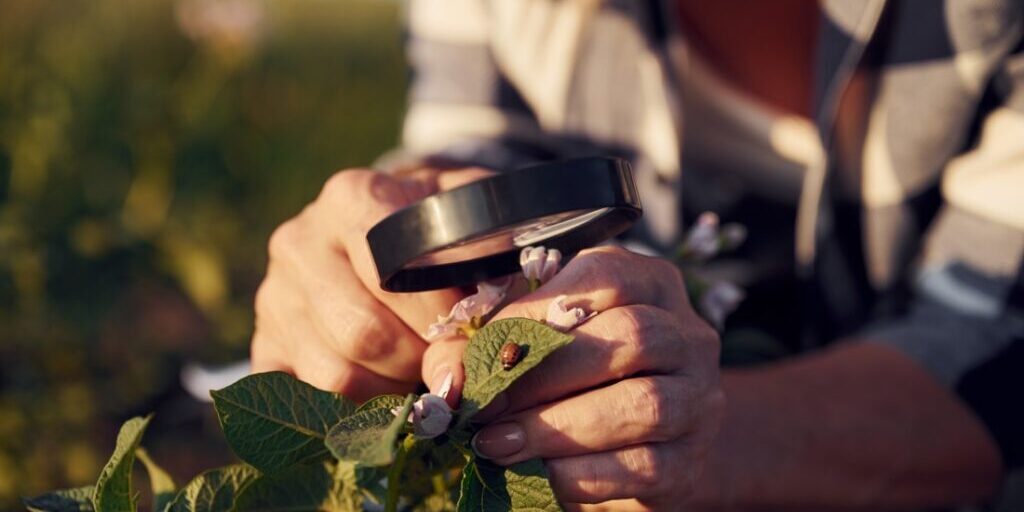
(718, 301)
(564, 319)
(431, 414)
(466, 315)
(702, 240)
(732, 236)
(539, 264)
(441, 329)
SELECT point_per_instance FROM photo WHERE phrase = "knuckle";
(560, 420)
(669, 274)
(636, 322)
(364, 337)
(325, 377)
(647, 468)
(644, 331)
(587, 475)
(283, 239)
(602, 273)
(343, 184)
(652, 406)
(605, 258)
(261, 301)
(704, 337)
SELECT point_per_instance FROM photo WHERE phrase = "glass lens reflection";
(517, 236)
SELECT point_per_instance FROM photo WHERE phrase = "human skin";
(629, 410)
(320, 314)
(856, 427)
(625, 416)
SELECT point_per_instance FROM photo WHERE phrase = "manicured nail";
(441, 384)
(498, 405)
(499, 440)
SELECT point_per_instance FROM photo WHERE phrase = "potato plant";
(307, 449)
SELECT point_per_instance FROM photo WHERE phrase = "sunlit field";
(147, 150)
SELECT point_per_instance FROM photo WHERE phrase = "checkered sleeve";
(967, 323)
(462, 110)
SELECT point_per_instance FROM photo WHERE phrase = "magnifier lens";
(475, 232)
(531, 233)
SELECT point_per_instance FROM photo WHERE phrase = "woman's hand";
(625, 415)
(320, 313)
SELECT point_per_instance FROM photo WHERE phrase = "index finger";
(603, 278)
(364, 198)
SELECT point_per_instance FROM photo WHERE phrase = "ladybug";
(510, 354)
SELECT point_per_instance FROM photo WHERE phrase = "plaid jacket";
(924, 252)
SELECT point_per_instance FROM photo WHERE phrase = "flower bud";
(431, 416)
(732, 236)
(467, 313)
(702, 240)
(719, 301)
(563, 319)
(539, 264)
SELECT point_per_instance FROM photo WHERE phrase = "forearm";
(858, 427)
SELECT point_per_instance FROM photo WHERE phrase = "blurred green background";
(147, 150)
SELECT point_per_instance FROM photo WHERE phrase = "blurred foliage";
(147, 150)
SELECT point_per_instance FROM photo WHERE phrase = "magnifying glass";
(475, 232)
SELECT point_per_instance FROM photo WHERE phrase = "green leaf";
(113, 491)
(485, 376)
(492, 488)
(471, 490)
(272, 421)
(432, 465)
(78, 499)
(325, 487)
(214, 490)
(382, 402)
(371, 480)
(369, 436)
(159, 480)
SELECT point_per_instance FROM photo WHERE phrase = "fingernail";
(442, 380)
(441, 385)
(498, 405)
(499, 440)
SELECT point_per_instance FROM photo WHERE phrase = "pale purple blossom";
(718, 301)
(732, 236)
(702, 240)
(707, 238)
(443, 328)
(539, 264)
(563, 319)
(467, 315)
(430, 415)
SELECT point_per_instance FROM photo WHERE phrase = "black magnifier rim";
(467, 212)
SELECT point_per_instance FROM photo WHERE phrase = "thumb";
(425, 181)
(442, 361)
(456, 178)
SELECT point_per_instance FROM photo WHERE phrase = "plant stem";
(395, 474)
